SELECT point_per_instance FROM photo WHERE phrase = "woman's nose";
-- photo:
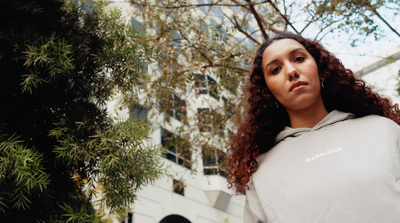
(292, 73)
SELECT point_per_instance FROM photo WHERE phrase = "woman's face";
(291, 74)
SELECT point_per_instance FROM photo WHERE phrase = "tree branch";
(222, 65)
(196, 5)
(238, 27)
(257, 17)
(383, 20)
(324, 28)
(283, 16)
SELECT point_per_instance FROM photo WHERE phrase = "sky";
(357, 57)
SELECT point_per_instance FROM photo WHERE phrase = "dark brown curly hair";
(262, 120)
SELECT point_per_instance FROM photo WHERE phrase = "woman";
(316, 144)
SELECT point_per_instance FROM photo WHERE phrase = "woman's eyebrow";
(295, 50)
(291, 52)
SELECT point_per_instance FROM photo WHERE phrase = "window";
(204, 119)
(228, 107)
(219, 33)
(178, 150)
(203, 28)
(130, 217)
(138, 113)
(218, 12)
(178, 187)
(138, 27)
(178, 108)
(143, 68)
(206, 85)
(175, 39)
(214, 161)
(87, 6)
(202, 8)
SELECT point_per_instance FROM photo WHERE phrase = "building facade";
(195, 189)
(382, 73)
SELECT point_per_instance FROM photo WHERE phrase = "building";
(382, 73)
(195, 189)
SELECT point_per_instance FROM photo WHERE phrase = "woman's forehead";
(281, 47)
(277, 46)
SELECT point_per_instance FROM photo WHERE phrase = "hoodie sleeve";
(253, 211)
(398, 144)
(249, 216)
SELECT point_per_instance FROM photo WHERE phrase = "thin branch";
(222, 65)
(262, 19)
(283, 16)
(245, 33)
(312, 20)
(383, 20)
(241, 5)
(270, 26)
(197, 49)
(327, 26)
(257, 17)
(195, 5)
(237, 26)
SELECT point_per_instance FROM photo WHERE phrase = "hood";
(333, 117)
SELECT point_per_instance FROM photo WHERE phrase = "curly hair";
(263, 120)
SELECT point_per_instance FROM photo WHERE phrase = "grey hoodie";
(345, 169)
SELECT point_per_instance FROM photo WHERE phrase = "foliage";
(77, 216)
(118, 152)
(53, 55)
(21, 173)
(365, 17)
(60, 65)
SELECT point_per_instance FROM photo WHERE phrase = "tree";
(360, 16)
(59, 150)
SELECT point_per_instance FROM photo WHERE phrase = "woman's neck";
(307, 118)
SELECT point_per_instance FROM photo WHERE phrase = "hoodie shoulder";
(332, 118)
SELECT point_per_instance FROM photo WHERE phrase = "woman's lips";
(297, 85)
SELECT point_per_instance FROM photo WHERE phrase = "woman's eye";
(275, 70)
(299, 59)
